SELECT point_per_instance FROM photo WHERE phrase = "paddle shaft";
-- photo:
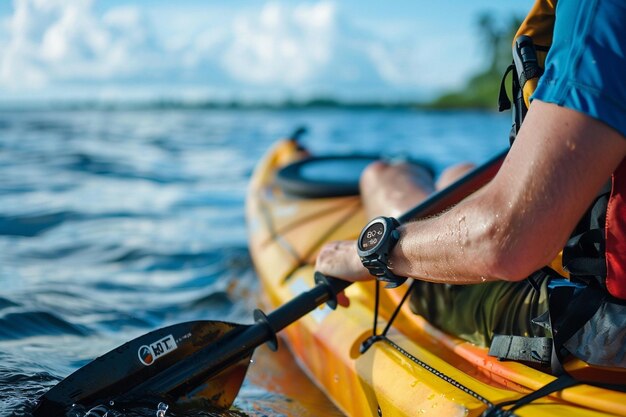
(238, 345)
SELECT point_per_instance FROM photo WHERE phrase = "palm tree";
(491, 36)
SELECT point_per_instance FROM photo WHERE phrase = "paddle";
(203, 363)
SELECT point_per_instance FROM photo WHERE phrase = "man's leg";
(477, 312)
(392, 189)
(453, 173)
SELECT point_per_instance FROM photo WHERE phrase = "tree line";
(481, 90)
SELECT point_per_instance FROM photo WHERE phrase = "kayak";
(417, 369)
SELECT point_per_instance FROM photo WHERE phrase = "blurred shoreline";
(309, 104)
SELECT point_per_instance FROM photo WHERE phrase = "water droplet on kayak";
(414, 383)
(161, 409)
(336, 378)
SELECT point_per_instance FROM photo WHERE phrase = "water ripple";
(36, 323)
(34, 224)
(115, 223)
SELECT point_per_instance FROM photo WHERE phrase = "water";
(114, 223)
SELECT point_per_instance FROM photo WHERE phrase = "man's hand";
(340, 260)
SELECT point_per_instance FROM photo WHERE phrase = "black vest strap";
(504, 103)
(584, 252)
(521, 348)
(570, 309)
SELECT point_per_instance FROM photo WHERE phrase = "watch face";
(372, 236)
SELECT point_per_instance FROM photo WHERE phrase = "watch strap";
(377, 262)
(381, 271)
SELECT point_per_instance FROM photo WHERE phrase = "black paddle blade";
(132, 373)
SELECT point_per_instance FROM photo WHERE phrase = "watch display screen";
(372, 236)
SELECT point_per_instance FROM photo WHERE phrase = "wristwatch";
(376, 241)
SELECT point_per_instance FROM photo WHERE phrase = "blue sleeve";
(586, 66)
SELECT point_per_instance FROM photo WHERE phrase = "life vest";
(530, 47)
(589, 311)
(597, 248)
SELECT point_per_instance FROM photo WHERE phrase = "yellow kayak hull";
(412, 375)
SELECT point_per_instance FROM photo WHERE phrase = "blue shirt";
(586, 66)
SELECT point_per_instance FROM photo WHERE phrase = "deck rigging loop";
(374, 338)
(377, 337)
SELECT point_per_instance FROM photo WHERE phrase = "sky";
(258, 50)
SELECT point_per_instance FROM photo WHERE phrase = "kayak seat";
(329, 176)
(324, 176)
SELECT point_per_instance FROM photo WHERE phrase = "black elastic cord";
(456, 384)
(367, 343)
(559, 384)
(397, 310)
(382, 337)
(376, 304)
(378, 337)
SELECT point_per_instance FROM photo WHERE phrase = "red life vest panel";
(615, 235)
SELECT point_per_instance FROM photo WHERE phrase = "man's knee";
(372, 173)
(453, 173)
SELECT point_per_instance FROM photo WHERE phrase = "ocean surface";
(114, 223)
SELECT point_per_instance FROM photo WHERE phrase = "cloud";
(282, 45)
(55, 40)
(293, 49)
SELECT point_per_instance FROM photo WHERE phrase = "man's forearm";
(520, 220)
(456, 247)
